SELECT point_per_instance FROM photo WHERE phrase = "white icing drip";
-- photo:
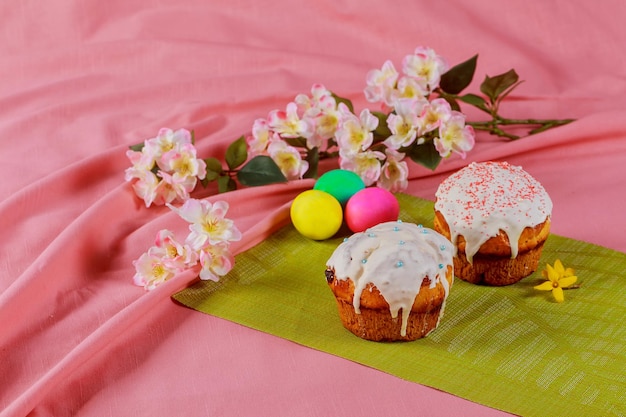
(485, 198)
(396, 257)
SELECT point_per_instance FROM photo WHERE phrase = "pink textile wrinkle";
(84, 80)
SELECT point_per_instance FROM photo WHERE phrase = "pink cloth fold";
(84, 80)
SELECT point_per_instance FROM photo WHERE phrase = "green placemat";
(511, 348)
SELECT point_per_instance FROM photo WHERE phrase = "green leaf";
(237, 153)
(492, 87)
(298, 142)
(193, 137)
(425, 154)
(345, 101)
(453, 103)
(511, 88)
(137, 147)
(312, 157)
(260, 170)
(226, 184)
(213, 168)
(475, 100)
(382, 130)
(458, 77)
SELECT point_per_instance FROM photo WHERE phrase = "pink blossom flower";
(365, 164)
(381, 84)
(166, 169)
(324, 126)
(208, 223)
(173, 188)
(260, 138)
(288, 123)
(216, 261)
(145, 186)
(403, 123)
(151, 271)
(355, 134)
(183, 162)
(141, 176)
(395, 172)
(166, 140)
(141, 160)
(410, 88)
(455, 136)
(323, 119)
(433, 115)
(321, 98)
(288, 159)
(175, 255)
(425, 66)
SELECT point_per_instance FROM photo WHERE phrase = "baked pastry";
(391, 281)
(497, 216)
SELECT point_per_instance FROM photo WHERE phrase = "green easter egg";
(340, 183)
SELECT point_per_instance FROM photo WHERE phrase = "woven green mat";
(511, 348)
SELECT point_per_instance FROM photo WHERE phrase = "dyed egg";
(316, 214)
(340, 183)
(369, 207)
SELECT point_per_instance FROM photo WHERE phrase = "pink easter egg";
(369, 207)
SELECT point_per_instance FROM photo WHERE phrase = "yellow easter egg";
(316, 214)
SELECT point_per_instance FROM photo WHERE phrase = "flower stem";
(493, 126)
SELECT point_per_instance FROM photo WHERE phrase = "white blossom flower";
(141, 161)
(455, 136)
(381, 84)
(288, 123)
(433, 114)
(216, 261)
(145, 186)
(409, 87)
(365, 164)
(403, 123)
(394, 173)
(320, 98)
(425, 66)
(182, 161)
(166, 140)
(173, 254)
(209, 225)
(288, 159)
(355, 133)
(173, 188)
(259, 138)
(319, 112)
(151, 271)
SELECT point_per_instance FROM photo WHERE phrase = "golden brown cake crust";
(378, 325)
(492, 264)
(497, 270)
(375, 322)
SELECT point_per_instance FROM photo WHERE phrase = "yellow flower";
(557, 278)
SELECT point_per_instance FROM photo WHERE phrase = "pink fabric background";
(83, 80)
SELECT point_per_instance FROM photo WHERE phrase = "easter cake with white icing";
(498, 218)
(391, 281)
